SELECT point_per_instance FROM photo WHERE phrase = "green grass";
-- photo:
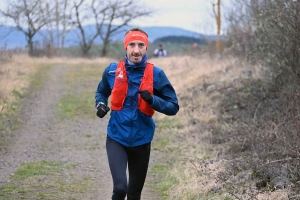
(8, 189)
(76, 105)
(116, 50)
(38, 79)
(46, 180)
(81, 83)
(166, 182)
(36, 168)
(9, 120)
(169, 123)
(161, 142)
(17, 93)
(58, 188)
(88, 135)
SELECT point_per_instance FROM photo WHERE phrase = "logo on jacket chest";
(119, 73)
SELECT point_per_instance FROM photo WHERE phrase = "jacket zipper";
(131, 122)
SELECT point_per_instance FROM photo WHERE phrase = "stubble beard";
(134, 60)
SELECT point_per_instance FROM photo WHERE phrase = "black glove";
(145, 94)
(102, 110)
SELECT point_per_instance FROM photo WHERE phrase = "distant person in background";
(195, 46)
(160, 52)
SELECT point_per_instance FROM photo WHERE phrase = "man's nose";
(136, 48)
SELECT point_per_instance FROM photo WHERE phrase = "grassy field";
(220, 144)
(28, 182)
(20, 75)
(80, 103)
(116, 50)
(212, 149)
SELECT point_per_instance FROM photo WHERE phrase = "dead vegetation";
(239, 135)
(20, 74)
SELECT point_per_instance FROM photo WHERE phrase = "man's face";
(135, 51)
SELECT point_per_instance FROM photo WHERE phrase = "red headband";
(135, 35)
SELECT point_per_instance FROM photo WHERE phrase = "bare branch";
(30, 13)
(118, 14)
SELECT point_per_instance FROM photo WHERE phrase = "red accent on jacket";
(120, 88)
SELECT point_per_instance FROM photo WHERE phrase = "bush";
(268, 126)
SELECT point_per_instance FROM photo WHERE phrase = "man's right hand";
(102, 110)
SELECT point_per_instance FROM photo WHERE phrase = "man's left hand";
(145, 94)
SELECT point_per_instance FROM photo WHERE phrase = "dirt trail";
(44, 137)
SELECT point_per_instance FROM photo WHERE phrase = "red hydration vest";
(120, 88)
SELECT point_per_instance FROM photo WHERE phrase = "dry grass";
(185, 71)
(189, 72)
(191, 77)
(211, 153)
(15, 74)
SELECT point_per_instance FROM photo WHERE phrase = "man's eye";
(131, 44)
(141, 45)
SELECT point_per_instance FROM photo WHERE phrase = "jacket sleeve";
(164, 98)
(103, 90)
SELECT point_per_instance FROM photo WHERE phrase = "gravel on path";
(77, 142)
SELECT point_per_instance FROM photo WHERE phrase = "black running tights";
(137, 159)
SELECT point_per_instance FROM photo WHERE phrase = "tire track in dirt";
(44, 137)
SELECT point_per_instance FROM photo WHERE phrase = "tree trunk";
(64, 25)
(219, 41)
(30, 45)
(57, 22)
(105, 47)
(217, 15)
(85, 50)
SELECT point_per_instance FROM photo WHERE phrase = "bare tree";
(49, 42)
(81, 12)
(57, 22)
(108, 16)
(58, 26)
(63, 21)
(27, 16)
(66, 21)
(217, 15)
(61, 12)
(117, 14)
(240, 28)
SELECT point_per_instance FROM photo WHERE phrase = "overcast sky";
(194, 15)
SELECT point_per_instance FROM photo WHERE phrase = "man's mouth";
(136, 56)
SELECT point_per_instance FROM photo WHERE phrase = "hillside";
(180, 40)
(16, 39)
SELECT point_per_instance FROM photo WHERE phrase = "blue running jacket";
(130, 126)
